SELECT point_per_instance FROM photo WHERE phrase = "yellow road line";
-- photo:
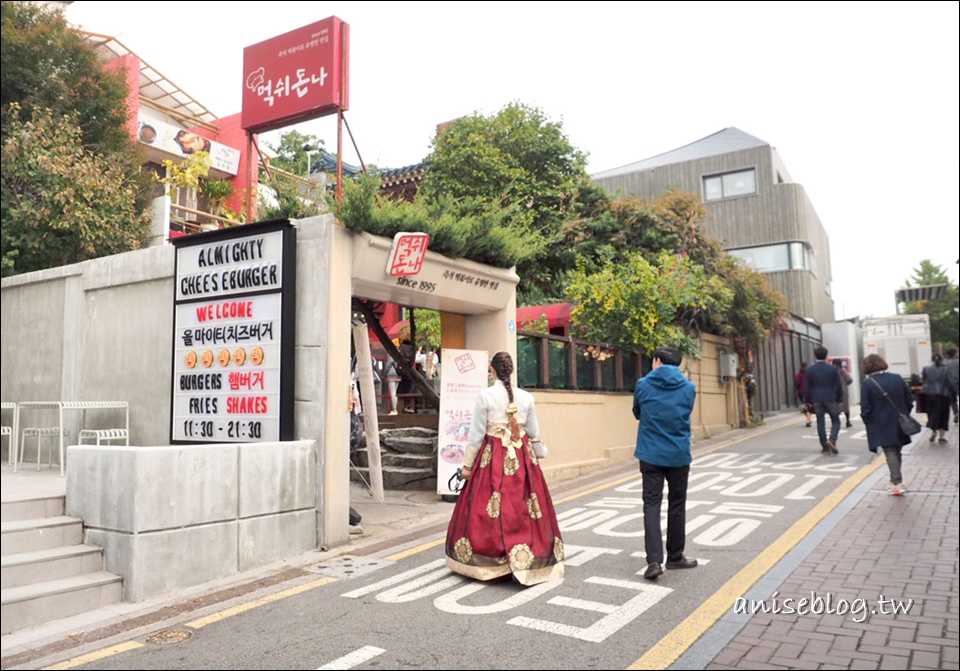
(674, 644)
(412, 551)
(96, 656)
(243, 608)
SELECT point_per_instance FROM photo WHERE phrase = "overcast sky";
(860, 99)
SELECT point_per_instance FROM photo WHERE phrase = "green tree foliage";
(284, 196)
(290, 155)
(944, 312)
(72, 187)
(460, 228)
(48, 66)
(518, 160)
(61, 202)
(285, 191)
(642, 305)
(610, 233)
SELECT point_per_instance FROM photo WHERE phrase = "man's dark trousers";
(822, 408)
(653, 479)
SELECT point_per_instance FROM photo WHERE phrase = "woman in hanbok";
(504, 522)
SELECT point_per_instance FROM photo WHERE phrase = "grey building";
(754, 209)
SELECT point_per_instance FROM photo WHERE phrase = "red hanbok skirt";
(504, 521)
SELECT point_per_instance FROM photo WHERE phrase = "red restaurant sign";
(407, 254)
(297, 76)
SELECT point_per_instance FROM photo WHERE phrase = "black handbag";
(907, 423)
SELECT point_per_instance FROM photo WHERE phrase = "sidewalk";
(898, 548)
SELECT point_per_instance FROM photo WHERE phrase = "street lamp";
(310, 149)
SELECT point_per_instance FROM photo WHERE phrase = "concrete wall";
(152, 508)
(95, 331)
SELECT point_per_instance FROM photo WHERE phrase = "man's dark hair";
(667, 355)
(952, 352)
(820, 352)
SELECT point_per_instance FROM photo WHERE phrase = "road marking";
(355, 658)
(599, 488)
(674, 644)
(96, 656)
(420, 548)
(243, 608)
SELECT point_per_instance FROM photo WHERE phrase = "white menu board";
(228, 339)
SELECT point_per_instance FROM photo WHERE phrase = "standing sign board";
(233, 351)
(464, 377)
(297, 76)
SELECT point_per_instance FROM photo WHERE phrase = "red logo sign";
(297, 76)
(407, 254)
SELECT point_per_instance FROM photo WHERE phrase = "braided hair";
(502, 364)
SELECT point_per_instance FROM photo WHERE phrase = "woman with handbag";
(504, 522)
(884, 399)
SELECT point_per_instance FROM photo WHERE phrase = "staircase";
(47, 572)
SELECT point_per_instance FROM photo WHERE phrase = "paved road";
(750, 502)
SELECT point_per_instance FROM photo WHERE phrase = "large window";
(730, 185)
(771, 258)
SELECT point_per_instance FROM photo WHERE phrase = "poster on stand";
(464, 377)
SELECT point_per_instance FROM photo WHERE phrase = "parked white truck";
(902, 340)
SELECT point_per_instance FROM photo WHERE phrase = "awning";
(928, 293)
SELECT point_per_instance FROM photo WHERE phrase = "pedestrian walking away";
(953, 376)
(662, 401)
(883, 397)
(936, 389)
(847, 381)
(805, 408)
(823, 388)
(504, 522)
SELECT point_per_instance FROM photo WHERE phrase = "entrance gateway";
(477, 304)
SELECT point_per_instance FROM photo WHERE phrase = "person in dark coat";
(936, 389)
(880, 415)
(823, 388)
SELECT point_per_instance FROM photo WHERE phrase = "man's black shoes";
(653, 571)
(683, 562)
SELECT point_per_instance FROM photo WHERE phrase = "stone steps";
(46, 571)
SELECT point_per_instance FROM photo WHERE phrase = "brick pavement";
(899, 547)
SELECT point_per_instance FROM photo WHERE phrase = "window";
(772, 258)
(730, 185)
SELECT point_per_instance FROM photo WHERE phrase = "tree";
(944, 312)
(48, 66)
(61, 202)
(285, 192)
(460, 228)
(519, 160)
(72, 187)
(639, 305)
(609, 233)
(290, 153)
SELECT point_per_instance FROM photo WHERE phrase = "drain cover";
(169, 636)
(348, 566)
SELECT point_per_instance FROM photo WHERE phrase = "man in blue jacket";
(823, 388)
(663, 401)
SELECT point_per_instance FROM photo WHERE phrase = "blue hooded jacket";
(663, 401)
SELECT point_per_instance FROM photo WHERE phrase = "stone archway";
(335, 264)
